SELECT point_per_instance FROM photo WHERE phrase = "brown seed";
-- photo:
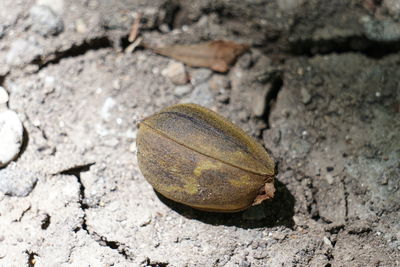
(194, 156)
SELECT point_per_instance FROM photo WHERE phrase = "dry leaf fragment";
(216, 55)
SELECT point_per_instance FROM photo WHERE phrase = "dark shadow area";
(2, 79)
(351, 44)
(76, 171)
(278, 211)
(74, 51)
(270, 99)
(156, 264)
(31, 258)
(25, 142)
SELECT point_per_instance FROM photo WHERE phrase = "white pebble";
(182, 90)
(328, 242)
(11, 133)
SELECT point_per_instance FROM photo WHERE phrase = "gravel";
(11, 134)
(16, 182)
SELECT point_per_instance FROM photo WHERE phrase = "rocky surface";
(318, 87)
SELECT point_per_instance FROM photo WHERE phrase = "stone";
(278, 235)
(45, 21)
(80, 26)
(16, 182)
(259, 100)
(381, 30)
(23, 51)
(327, 242)
(175, 71)
(393, 7)
(200, 76)
(201, 95)
(11, 135)
(305, 96)
(182, 90)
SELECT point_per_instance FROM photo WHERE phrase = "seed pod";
(194, 156)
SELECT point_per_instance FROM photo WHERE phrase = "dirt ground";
(319, 88)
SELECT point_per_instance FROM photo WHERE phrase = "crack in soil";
(76, 171)
(115, 245)
(346, 202)
(271, 97)
(3, 78)
(151, 263)
(31, 258)
(350, 44)
(23, 213)
(101, 240)
(74, 51)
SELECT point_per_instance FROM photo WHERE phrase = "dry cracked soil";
(319, 88)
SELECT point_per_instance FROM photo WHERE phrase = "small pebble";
(278, 235)
(175, 71)
(11, 133)
(45, 21)
(182, 90)
(305, 96)
(23, 51)
(327, 242)
(201, 95)
(259, 102)
(116, 84)
(329, 178)
(16, 182)
(164, 28)
(200, 76)
(393, 7)
(80, 26)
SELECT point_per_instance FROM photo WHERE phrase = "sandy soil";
(319, 88)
